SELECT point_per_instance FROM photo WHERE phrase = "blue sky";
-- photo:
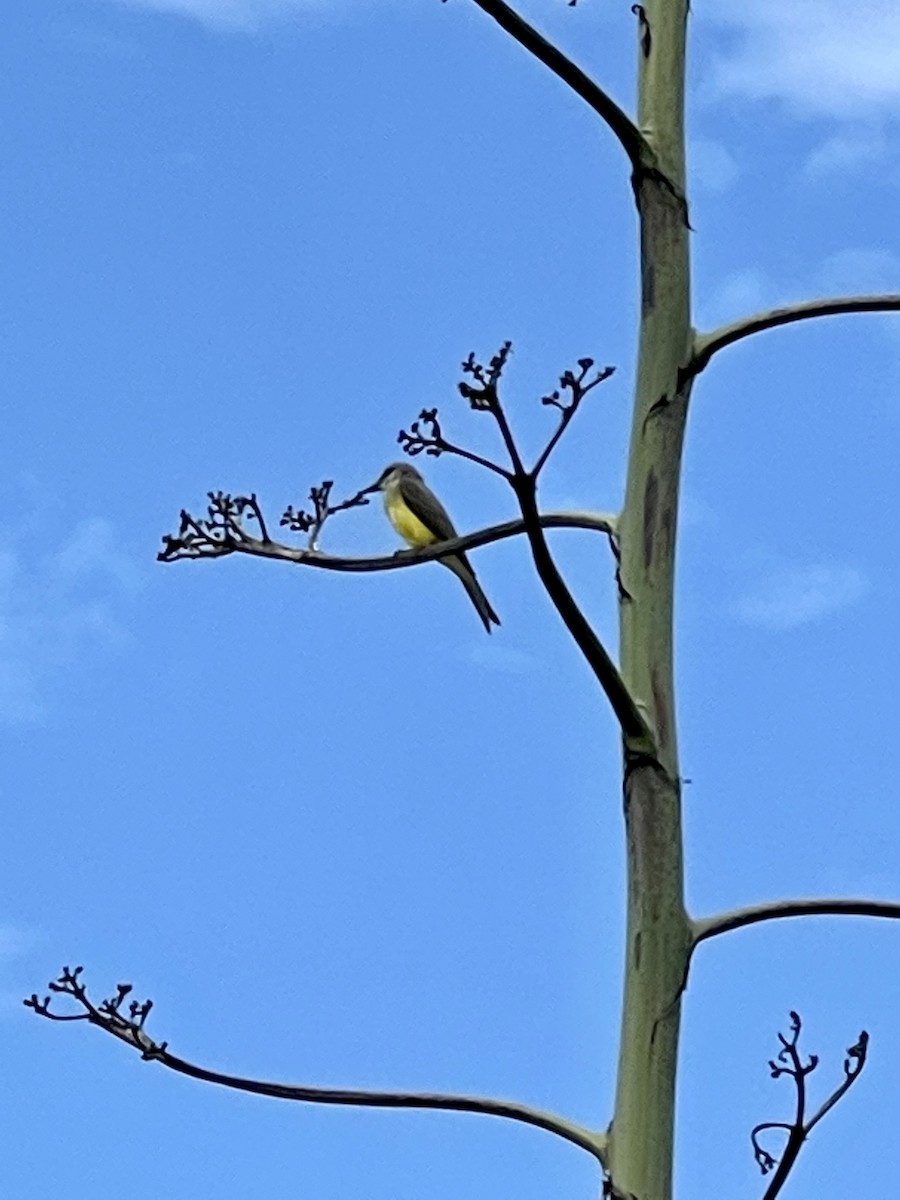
(335, 832)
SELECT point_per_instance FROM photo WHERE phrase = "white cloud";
(54, 607)
(793, 595)
(820, 57)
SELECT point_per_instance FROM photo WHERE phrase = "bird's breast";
(405, 521)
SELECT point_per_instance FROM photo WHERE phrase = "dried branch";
(196, 539)
(303, 522)
(639, 151)
(425, 435)
(828, 906)
(129, 1027)
(223, 532)
(789, 1062)
(578, 389)
(483, 396)
(708, 344)
(220, 532)
(853, 1064)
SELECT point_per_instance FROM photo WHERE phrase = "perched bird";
(421, 520)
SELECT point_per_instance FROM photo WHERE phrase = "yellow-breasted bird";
(421, 520)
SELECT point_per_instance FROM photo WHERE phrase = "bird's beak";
(376, 486)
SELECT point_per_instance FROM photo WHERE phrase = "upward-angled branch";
(636, 731)
(567, 399)
(708, 344)
(483, 396)
(633, 142)
(790, 1062)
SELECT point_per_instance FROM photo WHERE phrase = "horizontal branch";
(587, 1139)
(776, 910)
(264, 548)
(632, 140)
(125, 1021)
(708, 344)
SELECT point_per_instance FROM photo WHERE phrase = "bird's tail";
(460, 567)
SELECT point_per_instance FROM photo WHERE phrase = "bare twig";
(633, 142)
(789, 1062)
(301, 521)
(827, 906)
(482, 396)
(708, 344)
(853, 1064)
(222, 530)
(129, 1028)
(575, 385)
(425, 435)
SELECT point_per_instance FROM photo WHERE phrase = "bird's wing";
(426, 506)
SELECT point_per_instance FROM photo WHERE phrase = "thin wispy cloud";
(84, 38)
(56, 606)
(15, 942)
(714, 168)
(861, 269)
(819, 57)
(853, 147)
(868, 269)
(851, 270)
(241, 16)
(737, 294)
(788, 596)
(694, 512)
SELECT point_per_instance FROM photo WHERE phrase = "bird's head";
(393, 474)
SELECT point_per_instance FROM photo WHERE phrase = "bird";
(421, 520)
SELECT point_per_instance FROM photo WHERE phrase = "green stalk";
(658, 933)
